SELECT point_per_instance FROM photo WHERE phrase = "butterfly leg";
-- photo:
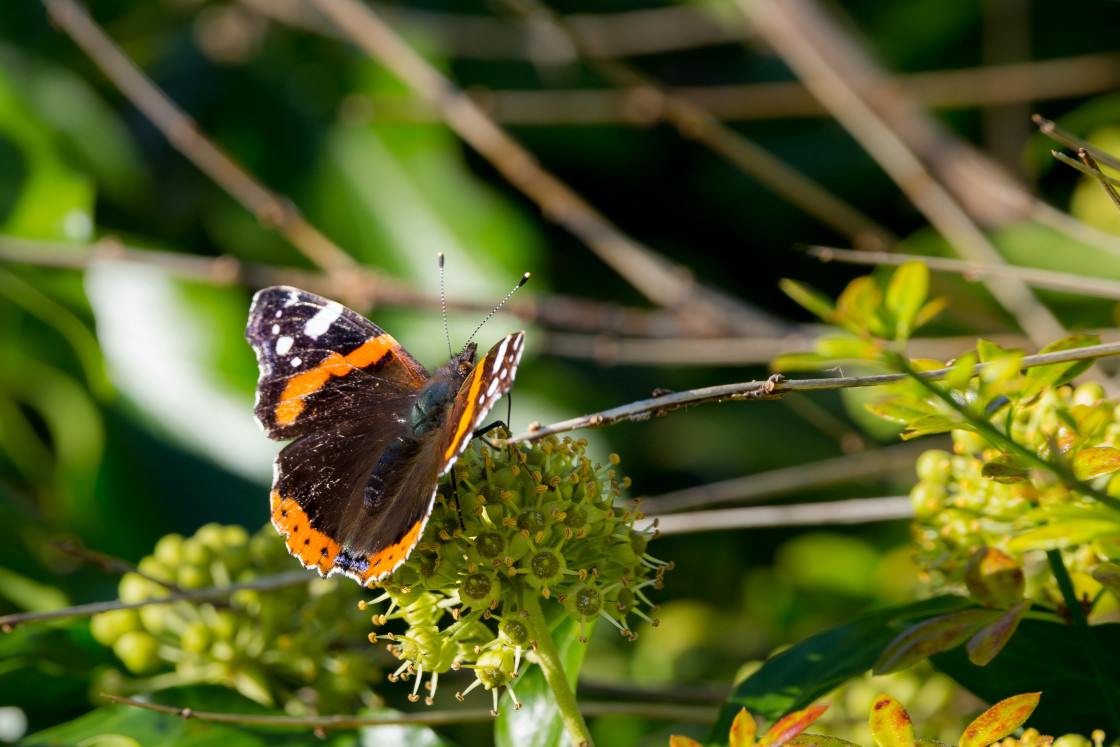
(481, 433)
(455, 495)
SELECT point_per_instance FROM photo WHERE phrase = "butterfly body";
(373, 430)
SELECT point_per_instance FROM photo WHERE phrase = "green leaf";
(1005, 469)
(538, 723)
(903, 410)
(847, 348)
(1067, 533)
(991, 639)
(989, 351)
(933, 424)
(1056, 374)
(857, 305)
(808, 297)
(1000, 720)
(1047, 656)
(962, 373)
(1108, 575)
(1096, 461)
(799, 675)
(153, 729)
(931, 636)
(906, 293)
(929, 311)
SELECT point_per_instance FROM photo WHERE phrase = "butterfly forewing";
(491, 378)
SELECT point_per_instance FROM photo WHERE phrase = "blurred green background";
(126, 392)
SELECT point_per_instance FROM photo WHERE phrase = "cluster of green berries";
(967, 520)
(287, 646)
(523, 524)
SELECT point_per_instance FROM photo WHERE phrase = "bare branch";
(851, 511)
(357, 288)
(693, 121)
(965, 88)
(892, 460)
(266, 583)
(784, 25)
(662, 281)
(1061, 281)
(777, 387)
(660, 711)
(271, 210)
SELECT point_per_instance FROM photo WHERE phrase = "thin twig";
(356, 288)
(777, 387)
(1087, 159)
(657, 711)
(271, 210)
(851, 511)
(266, 583)
(754, 488)
(1054, 132)
(106, 562)
(695, 122)
(740, 102)
(784, 25)
(662, 281)
(1061, 281)
(472, 36)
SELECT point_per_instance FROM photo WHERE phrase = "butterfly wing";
(490, 379)
(344, 389)
(322, 364)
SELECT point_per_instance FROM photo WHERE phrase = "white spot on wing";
(279, 313)
(293, 299)
(275, 329)
(296, 361)
(492, 388)
(322, 320)
(283, 345)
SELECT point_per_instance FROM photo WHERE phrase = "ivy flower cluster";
(538, 523)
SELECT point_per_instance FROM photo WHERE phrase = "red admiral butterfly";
(373, 430)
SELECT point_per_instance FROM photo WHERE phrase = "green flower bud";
(139, 651)
(107, 627)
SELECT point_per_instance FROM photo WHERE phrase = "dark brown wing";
(322, 365)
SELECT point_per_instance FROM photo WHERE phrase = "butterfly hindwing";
(323, 363)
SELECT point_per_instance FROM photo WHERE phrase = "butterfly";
(373, 430)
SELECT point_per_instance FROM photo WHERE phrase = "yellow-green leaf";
(1000, 720)
(904, 410)
(1068, 533)
(962, 373)
(1108, 575)
(1006, 469)
(890, 723)
(1056, 374)
(808, 297)
(788, 727)
(676, 740)
(906, 292)
(1096, 461)
(929, 311)
(859, 301)
(743, 729)
(994, 578)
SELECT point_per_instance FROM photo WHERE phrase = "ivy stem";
(549, 660)
(1087, 635)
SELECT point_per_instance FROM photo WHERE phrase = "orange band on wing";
(371, 351)
(313, 548)
(384, 561)
(467, 418)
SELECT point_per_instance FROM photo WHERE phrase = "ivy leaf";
(1096, 461)
(1005, 469)
(1000, 720)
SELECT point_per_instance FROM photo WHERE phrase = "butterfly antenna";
(524, 279)
(443, 305)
